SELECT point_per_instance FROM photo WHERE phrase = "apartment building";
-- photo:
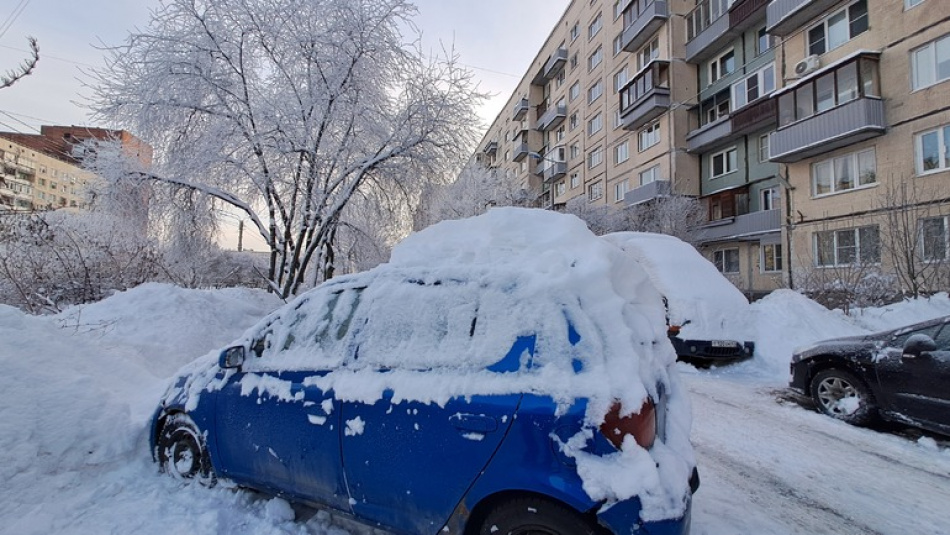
(41, 171)
(863, 134)
(772, 113)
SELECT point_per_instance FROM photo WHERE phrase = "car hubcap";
(182, 458)
(838, 396)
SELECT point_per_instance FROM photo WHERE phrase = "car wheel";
(182, 452)
(841, 395)
(531, 516)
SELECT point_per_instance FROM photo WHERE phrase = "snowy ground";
(78, 388)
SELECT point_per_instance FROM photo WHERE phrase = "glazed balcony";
(742, 226)
(648, 192)
(552, 67)
(551, 117)
(646, 96)
(838, 127)
(641, 20)
(785, 16)
(521, 109)
(758, 115)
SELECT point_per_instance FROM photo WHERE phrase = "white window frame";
(769, 198)
(910, 4)
(648, 53)
(621, 78)
(943, 149)
(618, 44)
(559, 188)
(764, 144)
(575, 180)
(572, 122)
(595, 191)
(648, 136)
(765, 84)
(649, 175)
(730, 164)
(837, 248)
(719, 260)
(595, 124)
(595, 59)
(595, 91)
(622, 152)
(944, 238)
(847, 25)
(714, 71)
(595, 157)
(574, 91)
(926, 56)
(854, 162)
(620, 190)
(776, 254)
(595, 26)
(574, 151)
(575, 31)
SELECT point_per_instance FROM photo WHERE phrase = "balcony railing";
(843, 125)
(552, 117)
(756, 116)
(552, 67)
(646, 96)
(745, 14)
(743, 226)
(707, 29)
(648, 192)
(521, 109)
(491, 147)
(520, 150)
(785, 16)
(709, 136)
(641, 20)
(552, 171)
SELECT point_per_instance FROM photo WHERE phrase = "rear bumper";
(623, 518)
(709, 351)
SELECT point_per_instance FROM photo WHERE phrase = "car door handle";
(474, 422)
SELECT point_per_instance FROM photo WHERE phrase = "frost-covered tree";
(287, 109)
(676, 215)
(476, 189)
(25, 68)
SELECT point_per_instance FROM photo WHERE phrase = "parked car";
(902, 375)
(467, 397)
(701, 304)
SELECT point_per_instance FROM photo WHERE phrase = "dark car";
(902, 375)
(704, 353)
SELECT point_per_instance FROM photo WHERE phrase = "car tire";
(523, 516)
(182, 452)
(841, 395)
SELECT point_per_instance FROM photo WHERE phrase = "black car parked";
(901, 375)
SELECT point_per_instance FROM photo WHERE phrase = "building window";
(844, 173)
(847, 247)
(620, 190)
(618, 44)
(770, 198)
(649, 136)
(594, 60)
(771, 257)
(724, 162)
(560, 188)
(574, 61)
(650, 175)
(622, 153)
(559, 134)
(932, 150)
(618, 119)
(595, 91)
(621, 78)
(595, 125)
(559, 80)
(595, 191)
(912, 3)
(648, 53)
(839, 28)
(595, 27)
(575, 180)
(618, 8)
(754, 86)
(595, 157)
(727, 260)
(572, 122)
(575, 32)
(574, 91)
(931, 63)
(856, 78)
(716, 107)
(575, 151)
(763, 43)
(933, 237)
(721, 66)
(764, 148)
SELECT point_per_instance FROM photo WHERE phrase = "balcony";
(550, 172)
(551, 118)
(838, 127)
(521, 109)
(745, 14)
(520, 150)
(710, 136)
(642, 19)
(758, 115)
(491, 147)
(646, 97)
(648, 192)
(743, 226)
(785, 16)
(707, 30)
(552, 67)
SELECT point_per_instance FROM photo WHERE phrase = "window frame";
(854, 162)
(595, 26)
(836, 247)
(943, 146)
(595, 58)
(650, 133)
(620, 190)
(935, 46)
(726, 161)
(622, 152)
(720, 260)
(653, 171)
(776, 258)
(849, 21)
(716, 63)
(595, 124)
(944, 239)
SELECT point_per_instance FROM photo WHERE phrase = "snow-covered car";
(509, 372)
(703, 307)
(902, 375)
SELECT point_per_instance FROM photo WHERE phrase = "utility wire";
(17, 11)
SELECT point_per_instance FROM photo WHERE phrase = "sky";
(496, 39)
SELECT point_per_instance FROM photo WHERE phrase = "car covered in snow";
(703, 307)
(901, 375)
(509, 372)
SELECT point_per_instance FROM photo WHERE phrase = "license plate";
(724, 343)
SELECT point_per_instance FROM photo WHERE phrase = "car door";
(919, 387)
(274, 429)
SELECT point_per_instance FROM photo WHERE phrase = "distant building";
(42, 172)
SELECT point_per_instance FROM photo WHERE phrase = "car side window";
(899, 339)
(942, 339)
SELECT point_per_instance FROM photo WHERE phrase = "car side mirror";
(232, 357)
(918, 344)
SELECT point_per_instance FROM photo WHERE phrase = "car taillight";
(642, 425)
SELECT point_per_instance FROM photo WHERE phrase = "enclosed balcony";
(551, 68)
(646, 96)
(837, 106)
(551, 117)
(521, 109)
(648, 192)
(745, 14)
(785, 16)
(707, 30)
(758, 115)
(641, 20)
(742, 226)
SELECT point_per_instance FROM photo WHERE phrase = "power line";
(17, 11)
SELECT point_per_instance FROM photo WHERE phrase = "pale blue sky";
(497, 39)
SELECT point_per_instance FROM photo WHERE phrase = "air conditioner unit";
(807, 65)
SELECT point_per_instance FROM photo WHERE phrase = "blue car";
(435, 401)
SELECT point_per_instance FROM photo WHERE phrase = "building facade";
(775, 114)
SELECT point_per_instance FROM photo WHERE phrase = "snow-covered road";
(771, 467)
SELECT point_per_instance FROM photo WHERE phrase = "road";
(769, 466)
